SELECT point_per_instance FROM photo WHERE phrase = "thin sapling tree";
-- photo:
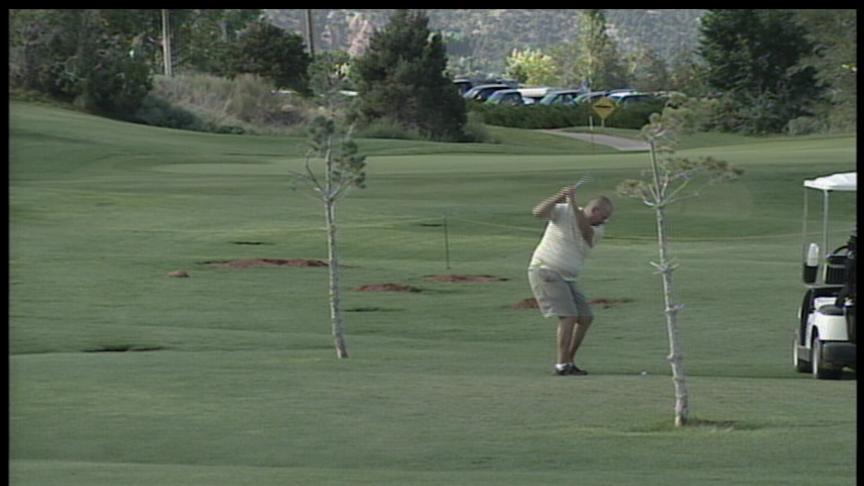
(343, 169)
(669, 180)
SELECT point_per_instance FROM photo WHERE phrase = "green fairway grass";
(120, 374)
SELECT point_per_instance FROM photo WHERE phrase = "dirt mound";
(266, 262)
(531, 303)
(387, 287)
(608, 303)
(466, 278)
(178, 274)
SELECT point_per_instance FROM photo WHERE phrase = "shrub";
(536, 116)
(114, 83)
(475, 130)
(531, 116)
(635, 115)
(244, 104)
(805, 125)
(160, 112)
(388, 128)
(250, 98)
(274, 53)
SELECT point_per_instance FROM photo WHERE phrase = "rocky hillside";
(480, 39)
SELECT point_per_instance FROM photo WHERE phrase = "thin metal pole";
(825, 235)
(309, 35)
(166, 43)
(446, 244)
(804, 244)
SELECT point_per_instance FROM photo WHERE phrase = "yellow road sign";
(604, 107)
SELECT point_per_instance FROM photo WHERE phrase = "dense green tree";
(834, 34)
(78, 55)
(532, 67)
(273, 53)
(749, 57)
(597, 60)
(685, 73)
(401, 76)
(647, 71)
(206, 36)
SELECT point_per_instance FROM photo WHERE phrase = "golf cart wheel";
(820, 370)
(801, 366)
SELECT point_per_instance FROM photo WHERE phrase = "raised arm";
(544, 209)
(581, 220)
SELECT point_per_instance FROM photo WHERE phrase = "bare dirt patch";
(266, 262)
(387, 287)
(466, 278)
(531, 303)
(178, 274)
(609, 303)
(122, 348)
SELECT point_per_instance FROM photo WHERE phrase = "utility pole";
(309, 35)
(166, 43)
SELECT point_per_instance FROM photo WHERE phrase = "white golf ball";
(644, 372)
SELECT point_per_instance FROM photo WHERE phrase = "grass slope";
(448, 385)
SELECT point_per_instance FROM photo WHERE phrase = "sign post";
(604, 107)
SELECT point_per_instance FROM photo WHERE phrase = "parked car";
(463, 85)
(632, 97)
(561, 97)
(589, 97)
(534, 95)
(506, 97)
(483, 91)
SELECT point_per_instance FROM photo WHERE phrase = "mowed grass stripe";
(241, 385)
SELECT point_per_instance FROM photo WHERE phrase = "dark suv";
(483, 91)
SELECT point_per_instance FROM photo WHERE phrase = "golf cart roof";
(846, 181)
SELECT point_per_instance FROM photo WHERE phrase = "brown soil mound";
(466, 278)
(531, 303)
(608, 303)
(178, 274)
(387, 287)
(266, 262)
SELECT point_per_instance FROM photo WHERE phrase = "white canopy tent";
(845, 181)
(842, 182)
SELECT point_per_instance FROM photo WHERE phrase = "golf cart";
(825, 335)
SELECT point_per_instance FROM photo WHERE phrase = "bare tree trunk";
(666, 268)
(679, 379)
(337, 324)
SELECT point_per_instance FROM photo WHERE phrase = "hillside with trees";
(752, 71)
(479, 40)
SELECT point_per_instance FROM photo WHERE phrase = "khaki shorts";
(556, 296)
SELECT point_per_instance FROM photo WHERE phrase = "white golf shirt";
(562, 248)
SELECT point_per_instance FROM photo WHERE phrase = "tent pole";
(825, 234)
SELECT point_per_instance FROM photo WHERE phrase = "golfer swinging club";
(571, 233)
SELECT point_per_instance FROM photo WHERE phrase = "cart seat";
(831, 310)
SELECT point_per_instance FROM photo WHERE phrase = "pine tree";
(401, 76)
